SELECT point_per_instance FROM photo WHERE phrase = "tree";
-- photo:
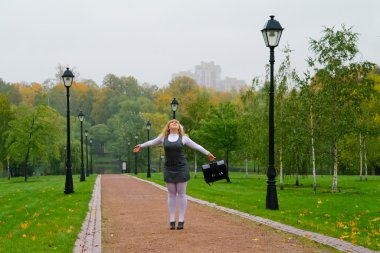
(81, 98)
(336, 73)
(197, 111)
(184, 89)
(33, 135)
(6, 115)
(253, 123)
(220, 130)
(123, 85)
(4, 87)
(284, 119)
(308, 102)
(30, 94)
(105, 104)
(101, 133)
(113, 82)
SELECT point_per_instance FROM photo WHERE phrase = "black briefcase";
(215, 171)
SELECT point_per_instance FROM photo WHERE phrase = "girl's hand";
(211, 157)
(137, 148)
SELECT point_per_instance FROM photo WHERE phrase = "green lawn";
(352, 214)
(37, 216)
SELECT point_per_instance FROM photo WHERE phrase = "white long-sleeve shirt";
(173, 138)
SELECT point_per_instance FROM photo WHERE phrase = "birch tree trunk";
(195, 164)
(335, 176)
(281, 172)
(313, 150)
(246, 165)
(365, 160)
(361, 155)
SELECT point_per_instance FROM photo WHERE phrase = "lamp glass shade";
(85, 132)
(271, 37)
(81, 116)
(148, 125)
(67, 81)
(68, 77)
(174, 105)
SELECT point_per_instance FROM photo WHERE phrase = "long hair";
(165, 132)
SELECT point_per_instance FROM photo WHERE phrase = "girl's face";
(174, 125)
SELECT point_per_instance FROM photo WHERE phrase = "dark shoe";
(180, 225)
(172, 225)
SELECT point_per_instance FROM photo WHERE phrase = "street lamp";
(90, 155)
(81, 118)
(174, 105)
(68, 78)
(272, 33)
(87, 170)
(148, 126)
(129, 157)
(136, 137)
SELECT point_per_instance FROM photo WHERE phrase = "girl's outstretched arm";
(154, 142)
(192, 144)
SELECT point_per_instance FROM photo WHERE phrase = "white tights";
(174, 189)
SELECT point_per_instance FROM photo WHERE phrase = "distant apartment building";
(183, 73)
(231, 83)
(208, 75)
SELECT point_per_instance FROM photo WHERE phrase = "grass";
(36, 216)
(352, 214)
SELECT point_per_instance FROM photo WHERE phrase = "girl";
(176, 170)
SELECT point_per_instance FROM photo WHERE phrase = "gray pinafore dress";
(176, 168)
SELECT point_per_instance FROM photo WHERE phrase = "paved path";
(135, 219)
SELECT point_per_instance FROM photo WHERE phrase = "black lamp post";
(87, 170)
(148, 126)
(90, 155)
(81, 118)
(129, 157)
(68, 78)
(136, 137)
(272, 33)
(174, 105)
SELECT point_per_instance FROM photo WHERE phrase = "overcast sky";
(152, 39)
